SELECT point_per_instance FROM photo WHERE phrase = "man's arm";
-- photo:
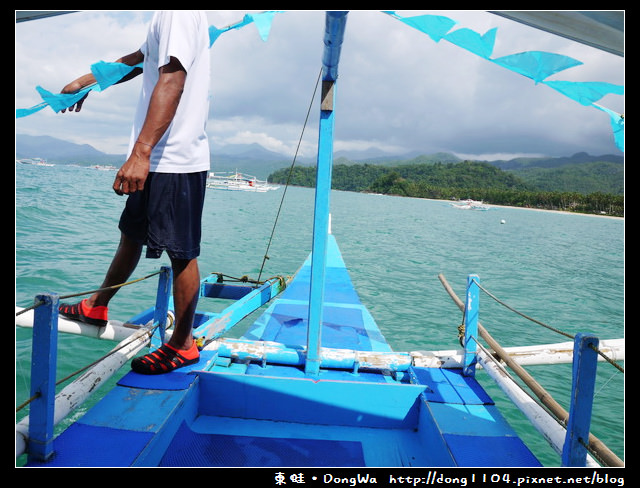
(164, 102)
(88, 79)
(162, 108)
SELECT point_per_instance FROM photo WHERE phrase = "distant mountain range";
(581, 172)
(249, 158)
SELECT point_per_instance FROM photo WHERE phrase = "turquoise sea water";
(563, 270)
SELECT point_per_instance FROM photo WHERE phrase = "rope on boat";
(603, 355)
(558, 442)
(121, 346)
(124, 344)
(596, 446)
(266, 253)
(149, 332)
(90, 292)
(245, 279)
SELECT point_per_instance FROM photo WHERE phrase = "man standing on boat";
(164, 177)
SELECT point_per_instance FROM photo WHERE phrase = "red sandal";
(82, 312)
(165, 359)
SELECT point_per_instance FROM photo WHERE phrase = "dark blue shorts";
(167, 214)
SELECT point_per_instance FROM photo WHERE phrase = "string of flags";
(536, 65)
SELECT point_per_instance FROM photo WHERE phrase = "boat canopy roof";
(26, 15)
(600, 29)
(603, 30)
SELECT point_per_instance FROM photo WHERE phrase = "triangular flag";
(263, 22)
(474, 42)
(435, 26)
(536, 65)
(585, 92)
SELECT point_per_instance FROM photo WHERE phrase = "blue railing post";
(585, 363)
(44, 352)
(162, 301)
(471, 325)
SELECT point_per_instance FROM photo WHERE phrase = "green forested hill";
(579, 173)
(606, 177)
(372, 177)
(577, 187)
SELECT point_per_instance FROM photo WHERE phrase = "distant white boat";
(102, 167)
(470, 205)
(34, 161)
(238, 182)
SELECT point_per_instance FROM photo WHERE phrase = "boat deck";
(347, 324)
(278, 444)
(234, 419)
(229, 412)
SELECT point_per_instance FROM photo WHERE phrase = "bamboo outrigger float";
(312, 383)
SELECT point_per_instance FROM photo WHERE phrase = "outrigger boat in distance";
(312, 382)
(236, 181)
(34, 161)
(470, 205)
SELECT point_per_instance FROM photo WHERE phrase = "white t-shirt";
(184, 147)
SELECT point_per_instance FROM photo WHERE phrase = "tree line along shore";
(458, 181)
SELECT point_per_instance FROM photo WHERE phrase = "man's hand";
(89, 79)
(133, 173)
(74, 87)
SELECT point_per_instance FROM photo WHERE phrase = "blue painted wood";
(95, 447)
(128, 427)
(347, 324)
(190, 448)
(226, 292)
(43, 377)
(335, 25)
(162, 301)
(234, 313)
(310, 401)
(503, 451)
(319, 251)
(450, 386)
(471, 325)
(585, 363)
(334, 33)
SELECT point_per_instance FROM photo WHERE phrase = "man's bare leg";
(180, 350)
(93, 310)
(122, 266)
(186, 286)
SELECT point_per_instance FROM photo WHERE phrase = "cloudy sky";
(398, 90)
